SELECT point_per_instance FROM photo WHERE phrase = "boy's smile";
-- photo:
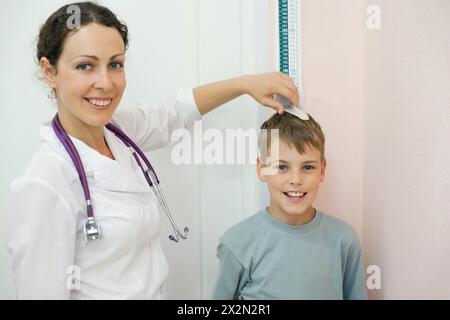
(295, 196)
(294, 187)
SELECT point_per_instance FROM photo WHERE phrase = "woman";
(47, 208)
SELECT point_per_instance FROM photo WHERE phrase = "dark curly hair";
(54, 31)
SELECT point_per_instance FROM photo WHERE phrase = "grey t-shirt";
(262, 258)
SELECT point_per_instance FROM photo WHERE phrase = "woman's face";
(90, 78)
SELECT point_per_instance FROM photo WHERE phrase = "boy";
(290, 250)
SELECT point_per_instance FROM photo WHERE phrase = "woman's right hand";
(263, 88)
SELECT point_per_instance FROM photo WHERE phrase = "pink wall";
(406, 180)
(383, 99)
(332, 74)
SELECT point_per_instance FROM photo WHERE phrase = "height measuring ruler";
(290, 51)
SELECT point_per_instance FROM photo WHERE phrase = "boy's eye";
(84, 66)
(282, 167)
(308, 167)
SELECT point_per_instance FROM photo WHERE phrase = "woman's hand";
(263, 87)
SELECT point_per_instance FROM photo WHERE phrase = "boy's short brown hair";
(293, 131)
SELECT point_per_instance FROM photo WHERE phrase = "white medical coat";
(47, 210)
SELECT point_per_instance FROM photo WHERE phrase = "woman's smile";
(99, 103)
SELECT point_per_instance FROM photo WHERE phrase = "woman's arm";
(41, 240)
(261, 87)
(151, 125)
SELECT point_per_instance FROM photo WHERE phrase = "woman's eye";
(116, 65)
(84, 66)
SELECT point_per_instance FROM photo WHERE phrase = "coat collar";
(121, 174)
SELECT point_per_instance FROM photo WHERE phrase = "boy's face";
(295, 184)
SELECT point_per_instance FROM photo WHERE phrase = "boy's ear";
(323, 169)
(259, 170)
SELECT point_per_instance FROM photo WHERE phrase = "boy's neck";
(297, 219)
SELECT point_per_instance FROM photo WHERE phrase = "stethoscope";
(92, 229)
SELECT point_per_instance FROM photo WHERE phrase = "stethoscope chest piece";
(92, 230)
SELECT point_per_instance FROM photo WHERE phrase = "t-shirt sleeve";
(231, 276)
(151, 125)
(41, 240)
(354, 276)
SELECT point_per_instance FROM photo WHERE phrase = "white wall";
(174, 44)
(24, 103)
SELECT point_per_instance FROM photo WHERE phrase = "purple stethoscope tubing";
(70, 148)
(132, 146)
(152, 179)
(92, 230)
